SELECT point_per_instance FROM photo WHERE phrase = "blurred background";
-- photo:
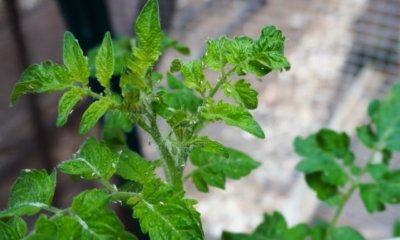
(343, 53)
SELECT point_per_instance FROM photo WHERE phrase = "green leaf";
(167, 42)
(133, 167)
(396, 228)
(173, 82)
(390, 191)
(105, 61)
(74, 59)
(322, 152)
(95, 111)
(326, 155)
(13, 228)
(214, 56)
(148, 31)
(181, 97)
(146, 54)
(325, 191)
(378, 170)
(165, 214)
(239, 51)
(234, 116)
(213, 168)
(273, 227)
(385, 116)
(269, 49)
(207, 145)
(318, 231)
(369, 194)
(46, 229)
(367, 136)
(116, 119)
(175, 66)
(67, 103)
(33, 190)
(385, 189)
(94, 160)
(38, 78)
(88, 218)
(246, 55)
(122, 48)
(193, 72)
(298, 232)
(243, 93)
(116, 125)
(346, 233)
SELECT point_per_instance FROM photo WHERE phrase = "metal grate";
(376, 38)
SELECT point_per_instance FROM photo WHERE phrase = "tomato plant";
(184, 101)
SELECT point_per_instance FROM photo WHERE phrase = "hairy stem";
(172, 170)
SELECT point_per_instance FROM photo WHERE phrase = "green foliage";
(90, 206)
(39, 78)
(186, 100)
(327, 156)
(32, 191)
(13, 228)
(67, 103)
(105, 61)
(148, 32)
(382, 135)
(94, 160)
(179, 97)
(331, 170)
(82, 220)
(167, 42)
(193, 72)
(384, 130)
(162, 211)
(93, 114)
(233, 115)
(396, 228)
(133, 167)
(273, 227)
(258, 57)
(165, 214)
(74, 59)
(213, 168)
(116, 125)
(243, 94)
(346, 233)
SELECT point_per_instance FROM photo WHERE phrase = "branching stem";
(354, 185)
(222, 80)
(172, 170)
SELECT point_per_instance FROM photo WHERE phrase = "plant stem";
(123, 196)
(339, 210)
(224, 76)
(52, 209)
(354, 185)
(221, 81)
(109, 186)
(172, 170)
